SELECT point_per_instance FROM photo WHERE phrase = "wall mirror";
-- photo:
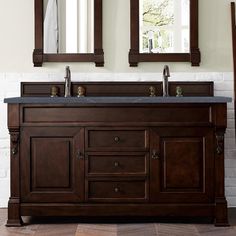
(164, 31)
(68, 31)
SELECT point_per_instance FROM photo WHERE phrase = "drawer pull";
(117, 190)
(117, 139)
(116, 164)
(155, 155)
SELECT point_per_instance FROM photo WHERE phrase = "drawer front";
(118, 191)
(163, 113)
(116, 164)
(116, 140)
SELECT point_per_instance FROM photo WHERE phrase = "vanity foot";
(14, 223)
(222, 224)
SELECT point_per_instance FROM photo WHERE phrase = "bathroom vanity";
(117, 152)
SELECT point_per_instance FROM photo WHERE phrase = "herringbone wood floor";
(65, 227)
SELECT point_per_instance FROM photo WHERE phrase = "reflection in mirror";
(164, 31)
(68, 31)
(164, 26)
(68, 26)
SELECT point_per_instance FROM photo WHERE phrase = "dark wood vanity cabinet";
(157, 160)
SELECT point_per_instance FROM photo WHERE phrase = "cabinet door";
(181, 165)
(52, 164)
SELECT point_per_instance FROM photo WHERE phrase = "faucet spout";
(165, 84)
(68, 82)
(166, 71)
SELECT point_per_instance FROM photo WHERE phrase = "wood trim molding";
(135, 56)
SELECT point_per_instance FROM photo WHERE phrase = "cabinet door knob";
(116, 163)
(80, 155)
(116, 190)
(155, 155)
(117, 139)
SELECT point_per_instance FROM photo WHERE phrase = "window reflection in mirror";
(164, 26)
(68, 26)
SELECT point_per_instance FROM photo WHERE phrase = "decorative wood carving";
(15, 138)
(219, 143)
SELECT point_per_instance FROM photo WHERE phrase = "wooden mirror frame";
(39, 57)
(135, 56)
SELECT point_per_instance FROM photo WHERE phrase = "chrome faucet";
(165, 83)
(68, 82)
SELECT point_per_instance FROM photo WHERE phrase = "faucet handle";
(179, 91)
(152, 91)
(54, 91)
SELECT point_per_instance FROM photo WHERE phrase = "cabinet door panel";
(51, 170)
(51, 154)
(182, 164)
(184, 168)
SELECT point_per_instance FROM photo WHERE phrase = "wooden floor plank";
(96, 230)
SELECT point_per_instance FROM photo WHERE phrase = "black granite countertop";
(115, 100)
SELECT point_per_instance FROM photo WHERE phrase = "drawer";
(158, 114)
(118, 191)
(116, 163)
(116, 140)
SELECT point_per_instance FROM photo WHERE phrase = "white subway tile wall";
(10, 87)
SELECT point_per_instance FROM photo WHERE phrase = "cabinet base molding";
(158, 210)
(162, 211)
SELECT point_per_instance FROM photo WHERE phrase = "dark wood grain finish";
(162, 113)
(130, 89)
(39, 57)
(163, 160)
(184, 165)
(117, 163)
(135, 56)
(116, 140)
(52, 170)
(119, 209)
(14, 214)
(46, 154)
(117, 191)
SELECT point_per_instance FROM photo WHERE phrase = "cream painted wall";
(17, 39)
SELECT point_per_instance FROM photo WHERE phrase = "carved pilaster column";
(14, 216)
(221, 215)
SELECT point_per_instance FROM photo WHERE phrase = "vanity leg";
(14, 218)
(221, 213)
